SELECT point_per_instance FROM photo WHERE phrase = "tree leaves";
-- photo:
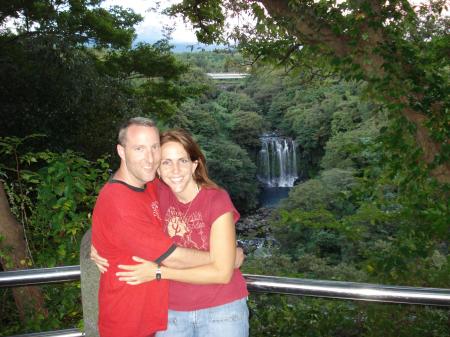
(387, 44)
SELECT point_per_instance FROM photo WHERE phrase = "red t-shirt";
(126, 223)
(189, 225)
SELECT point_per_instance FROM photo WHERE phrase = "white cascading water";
(277, 161)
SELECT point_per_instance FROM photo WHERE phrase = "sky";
(150, 30)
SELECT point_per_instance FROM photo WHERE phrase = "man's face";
(140, 155)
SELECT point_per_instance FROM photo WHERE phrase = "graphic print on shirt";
(187, 231)
(155, 208)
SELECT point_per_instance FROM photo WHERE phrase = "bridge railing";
(255, 283)
(227, 76)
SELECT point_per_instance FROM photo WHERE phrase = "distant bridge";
(227, 76)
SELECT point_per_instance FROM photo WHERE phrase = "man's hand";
(239, 260)
(102, 264)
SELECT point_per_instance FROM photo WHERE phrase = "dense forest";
(372, 200)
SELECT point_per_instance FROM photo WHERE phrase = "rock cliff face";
(254, 233)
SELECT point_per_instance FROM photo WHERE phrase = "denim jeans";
(228, 320)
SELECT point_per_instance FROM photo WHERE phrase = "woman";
(209, 300)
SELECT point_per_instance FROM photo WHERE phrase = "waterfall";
(277, 161)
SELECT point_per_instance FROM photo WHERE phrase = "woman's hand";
(144, 271)
(102, 264)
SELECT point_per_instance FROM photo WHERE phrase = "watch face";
(158, 274)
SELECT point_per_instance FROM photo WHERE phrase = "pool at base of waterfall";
(271, 196)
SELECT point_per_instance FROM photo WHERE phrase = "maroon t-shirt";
(189, 225)
(126, 223)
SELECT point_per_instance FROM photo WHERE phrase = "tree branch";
(28, 299)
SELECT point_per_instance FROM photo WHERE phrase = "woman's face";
(176, 169)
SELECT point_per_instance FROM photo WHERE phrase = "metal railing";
(58, 333)
(26, 277)
(255, 283)
(348, 290)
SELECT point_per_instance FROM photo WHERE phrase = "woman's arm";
(219, 270)
(179, 258)
(222, 252)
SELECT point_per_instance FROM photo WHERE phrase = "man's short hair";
(143, 121)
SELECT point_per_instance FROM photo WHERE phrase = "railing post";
(89, 287)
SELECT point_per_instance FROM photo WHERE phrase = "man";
(126, 223)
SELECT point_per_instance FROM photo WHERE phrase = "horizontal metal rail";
(26, 277)
(348, 290)
(57, 333)
(266, 284)
(255, 283)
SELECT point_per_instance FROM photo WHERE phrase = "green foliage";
(66, 190)
(78, 21)
(394, 236)
(312, 232)
(56, 90)
(284, 315)
(247, 127)
(414, 252)
(373, 215)
(310, 118)
(52, 195)
(348, 149)
(232, 101)
(231, 168)
(329, 191)
(72, 74)
(269, 88)
(154, 76)
(319, 116)
(355, 126)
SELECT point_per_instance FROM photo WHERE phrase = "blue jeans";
(228, 320)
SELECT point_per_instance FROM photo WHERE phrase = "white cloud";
(151, 29)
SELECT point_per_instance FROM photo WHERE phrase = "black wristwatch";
(158, 273)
